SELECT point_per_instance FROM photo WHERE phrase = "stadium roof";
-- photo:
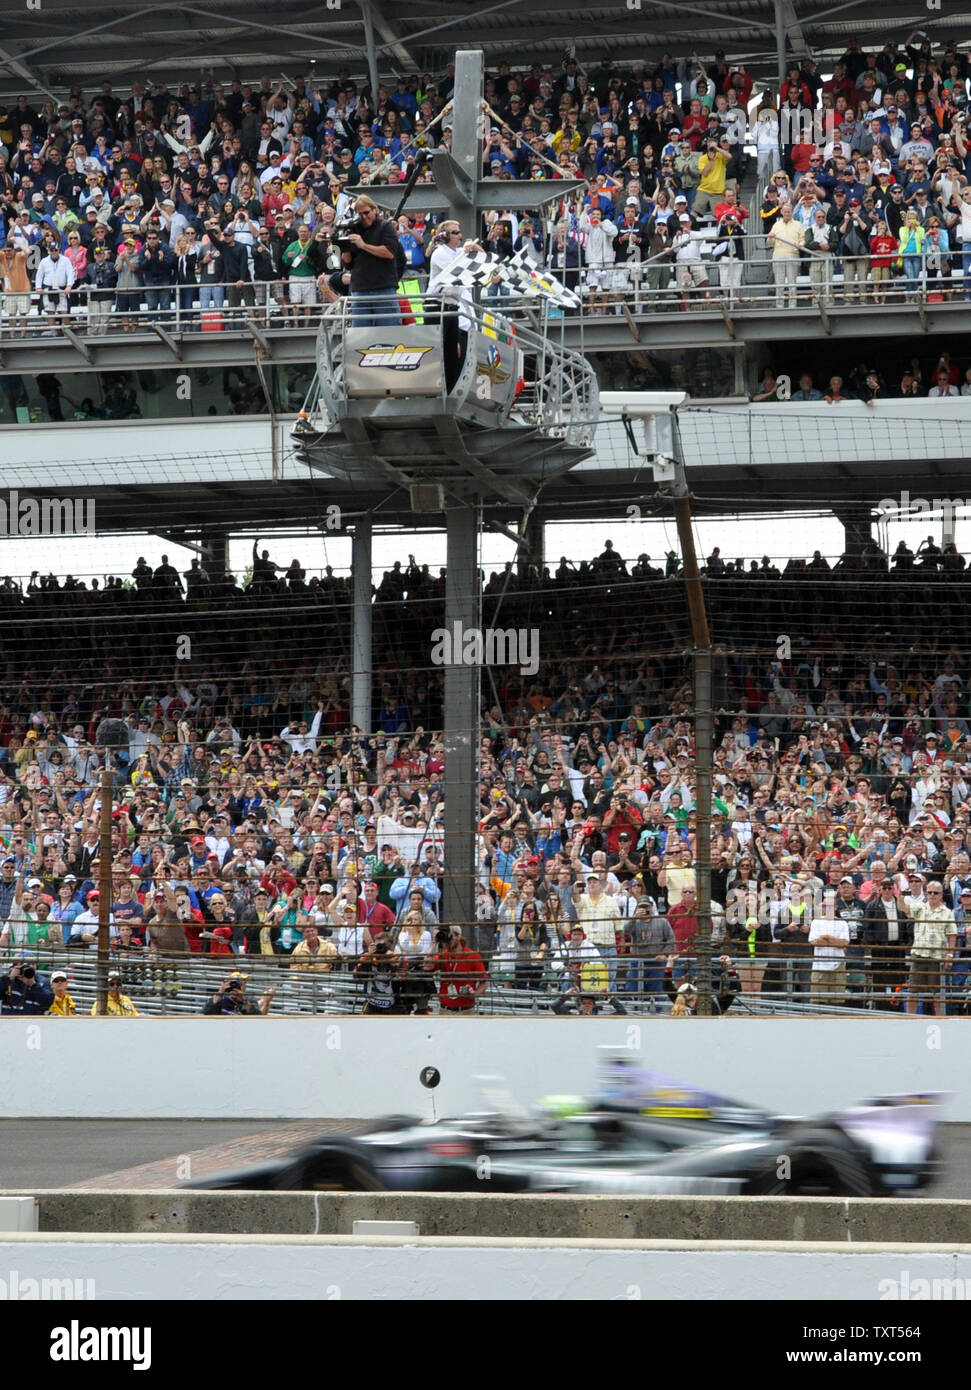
(47, 49)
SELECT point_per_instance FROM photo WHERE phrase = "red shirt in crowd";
(684, 924)
(461, 971)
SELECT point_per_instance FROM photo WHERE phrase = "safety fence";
(764, 984)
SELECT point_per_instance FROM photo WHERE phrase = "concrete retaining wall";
(197, 1267)
(362, 1067)
(462, 1215)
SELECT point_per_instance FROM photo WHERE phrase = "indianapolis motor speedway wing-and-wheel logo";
(395, 356)
(492, 368)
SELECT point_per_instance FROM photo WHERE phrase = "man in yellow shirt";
(786, 237)
(63, 1005)
(712, 165)
(600, 918)
(313, 953)
(119, 1005)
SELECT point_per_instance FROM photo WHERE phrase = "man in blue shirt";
(24, 991)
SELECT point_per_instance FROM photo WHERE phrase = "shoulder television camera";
(345, 228)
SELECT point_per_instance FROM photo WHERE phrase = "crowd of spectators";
(225, 194)
(868, 383)
(249, 816)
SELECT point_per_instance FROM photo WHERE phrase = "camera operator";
(24, 991)
(462, 975)
(230, 998)
(372, 252)
(378, 969)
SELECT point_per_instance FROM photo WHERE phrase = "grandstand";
(155, 286)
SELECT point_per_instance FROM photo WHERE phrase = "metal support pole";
(372, 52)
(462, 684)
(104, 883)
(780, 44)
(215, 554)
(703, 755)
(534, 536)
(467, 127)
(361, 619)
(857, 529)
(703, 728)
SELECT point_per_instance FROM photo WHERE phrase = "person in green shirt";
(300, 263)
(385, 874)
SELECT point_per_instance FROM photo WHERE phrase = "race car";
(641, 1133)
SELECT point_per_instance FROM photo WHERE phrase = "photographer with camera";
(24, 991)
(230, 998)
(378, 969)
(462, 975)
(370, 246)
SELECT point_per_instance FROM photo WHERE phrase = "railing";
(558, 391)
(655, 285)
(176, 309)
(716, 279)
(765, 984)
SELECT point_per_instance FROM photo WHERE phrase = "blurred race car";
(641, 1133)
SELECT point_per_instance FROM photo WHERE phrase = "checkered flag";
(530, 280)
(473, 270)
(480, 269)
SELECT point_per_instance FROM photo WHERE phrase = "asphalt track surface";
(61, 1153)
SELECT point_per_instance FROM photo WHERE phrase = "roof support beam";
(372, 56)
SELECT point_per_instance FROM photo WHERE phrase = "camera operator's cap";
(238, 975)
(59, 975)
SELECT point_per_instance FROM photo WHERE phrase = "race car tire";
(336, 1169)
(819, 1162)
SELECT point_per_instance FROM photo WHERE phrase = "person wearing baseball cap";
(63, 1005)
(231, 998)
(118, 1004)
